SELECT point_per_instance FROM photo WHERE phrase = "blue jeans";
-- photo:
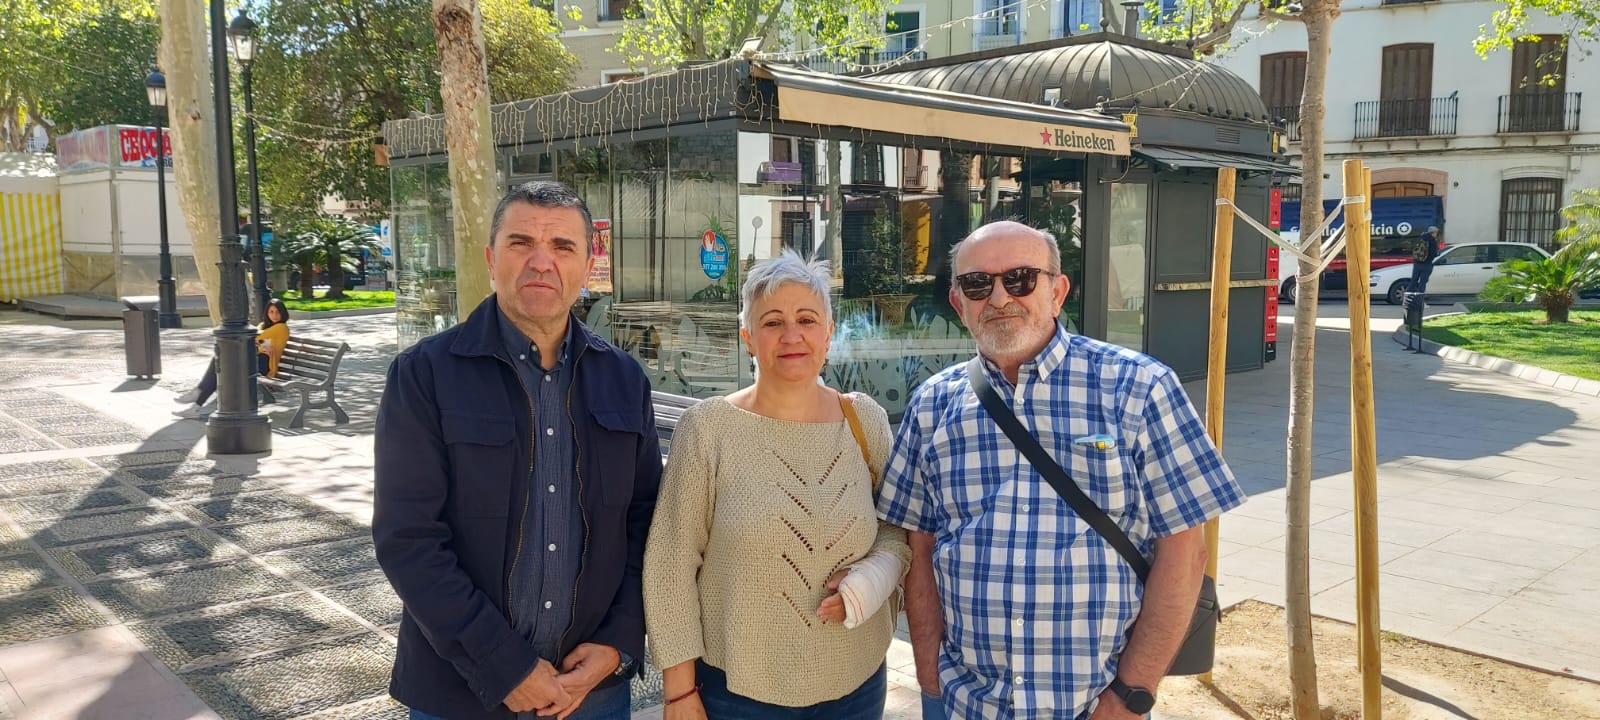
(612, 703)
(863, 703)
(933, 707)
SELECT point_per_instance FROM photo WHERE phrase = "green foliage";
(330, 72)
(1523, 337)
(326, 241)
(1510, 23)
(884, 256)
(1553, 282)
(672, 31)
(352, 299)
(73, 64)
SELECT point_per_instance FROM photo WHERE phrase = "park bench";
(669, 408)
(306, 367)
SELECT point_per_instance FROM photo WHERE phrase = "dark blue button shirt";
(546, 567)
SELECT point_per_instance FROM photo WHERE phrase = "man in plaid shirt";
(1017, 609)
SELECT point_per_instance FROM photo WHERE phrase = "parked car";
(1386, 252)
(1460, 270)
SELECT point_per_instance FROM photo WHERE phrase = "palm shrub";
(1553, 282)
(330, 242)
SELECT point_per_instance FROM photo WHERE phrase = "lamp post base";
(170, 320)
(239, 435)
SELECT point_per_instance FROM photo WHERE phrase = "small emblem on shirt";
(1098, 442)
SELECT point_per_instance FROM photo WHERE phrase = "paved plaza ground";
(141, 579)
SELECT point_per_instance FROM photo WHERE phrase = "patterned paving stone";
(372, 599)
(298, 681)
(319, 565)
(11, 541)
(148, 457)
(40, 410)
(23, 573)
(378, 708)
(76, 480)
(213, 635)
(293, 532)
(188, 589)
(143, 554)
(42, 468)
(160, 473)
(66, 504)
(45, 613)
(100, 439)
(18, 443)
(247, 508)
(76, 423)
(191, 487)
(89, 528)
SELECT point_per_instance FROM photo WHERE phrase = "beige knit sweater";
(755, 514)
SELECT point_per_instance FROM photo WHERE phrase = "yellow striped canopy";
(30, 245)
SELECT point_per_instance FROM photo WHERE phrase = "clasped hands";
(558, 694)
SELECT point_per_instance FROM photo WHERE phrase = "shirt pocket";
(483, 459)
(1104, 475)
(614, 452)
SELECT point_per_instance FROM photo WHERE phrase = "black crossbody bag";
(1199, 644)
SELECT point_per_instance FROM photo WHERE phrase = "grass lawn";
(352, 299)
(1573, 348)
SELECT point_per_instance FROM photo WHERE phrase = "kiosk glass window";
(1126, 280)
(424, 251)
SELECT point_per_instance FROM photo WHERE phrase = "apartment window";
(1538, 99)
(1000, 17)
(869, 164)
(905, 32)
(1530, 211)
(1405, 89)
(1082, 16)
(782, 149)
(615, 9)
(1283, 81)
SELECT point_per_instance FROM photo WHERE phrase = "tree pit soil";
(1421, 681)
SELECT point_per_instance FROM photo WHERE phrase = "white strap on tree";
(1337, 239)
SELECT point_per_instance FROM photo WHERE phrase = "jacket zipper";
(527, 492)
(577, 467)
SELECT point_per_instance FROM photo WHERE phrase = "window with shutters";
(1530, 211)
(1538, 99)
(1405, 93)
(1283, 81)
(869, 164)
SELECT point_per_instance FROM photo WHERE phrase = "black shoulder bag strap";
(1052, 471)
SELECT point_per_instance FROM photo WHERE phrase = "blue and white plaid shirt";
(1037, 607)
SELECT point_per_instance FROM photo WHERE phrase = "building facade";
(1500, 140)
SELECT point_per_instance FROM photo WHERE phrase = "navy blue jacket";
(452, 464)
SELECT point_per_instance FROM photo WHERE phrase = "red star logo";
(1044, 137)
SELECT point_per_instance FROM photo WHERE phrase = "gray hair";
(1053, 261)
(545, 194)
(789, 267)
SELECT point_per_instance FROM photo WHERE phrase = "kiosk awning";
(1173, 157)
(821, 99)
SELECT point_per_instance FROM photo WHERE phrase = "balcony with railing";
(898, 47)
(1290, 114)
(1409, 117)
(998, 28)
(1539, 112)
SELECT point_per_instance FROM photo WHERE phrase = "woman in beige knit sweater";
(768, 576)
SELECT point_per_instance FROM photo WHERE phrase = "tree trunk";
(836, 207)
(1557, 308)
(1317, 16)
(186, 62)
(308, 281)
(469, 140)
(335, 275)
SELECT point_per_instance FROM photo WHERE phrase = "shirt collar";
(1045, 364)
(518, 344)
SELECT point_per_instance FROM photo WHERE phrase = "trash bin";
(1414, 303)
(141, 335)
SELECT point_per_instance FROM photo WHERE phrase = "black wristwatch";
(1138, 700)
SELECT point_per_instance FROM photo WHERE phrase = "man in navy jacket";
(516, 474)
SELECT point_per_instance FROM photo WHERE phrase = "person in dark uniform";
(1427, 251)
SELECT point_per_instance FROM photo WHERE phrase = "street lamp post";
(242, 36)
(236, 428)
(155, 87)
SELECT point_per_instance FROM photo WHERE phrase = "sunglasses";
(1019, 282)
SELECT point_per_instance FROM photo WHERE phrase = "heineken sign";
(1077, 140)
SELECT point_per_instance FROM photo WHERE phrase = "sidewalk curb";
(1541, 376)
(354, 312)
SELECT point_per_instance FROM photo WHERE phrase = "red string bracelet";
(686, 695)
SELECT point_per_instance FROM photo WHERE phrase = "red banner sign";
(138, 147)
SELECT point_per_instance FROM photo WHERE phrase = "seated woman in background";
(270, 340)
(767, 573)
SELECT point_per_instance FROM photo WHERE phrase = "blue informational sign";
(713, 255)
(1391, 217)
